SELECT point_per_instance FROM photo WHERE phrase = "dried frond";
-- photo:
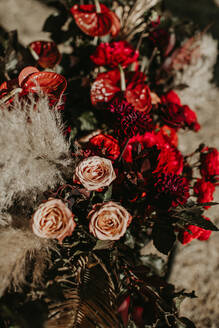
(92, 303)
(22, 253)
(34, 155)
(132, 19)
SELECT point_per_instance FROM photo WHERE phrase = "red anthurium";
(96, 22)
(7, 91)
(26, 72)
(137, 92)
(46, 53)
(105, 87)
(52, 84)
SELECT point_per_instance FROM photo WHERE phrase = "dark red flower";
(171, 97)
(204, 191)
(190, 119)
(95, 22)
(196, 233)
(176, 115)
(104, 145)
(128, 121)
(168, 190)
(114, 54)
(209, 164)
(46, 53)
(123, 310)
(170, 160)
(107, 85)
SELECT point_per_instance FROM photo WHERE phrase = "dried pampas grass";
(34, 154)
(22, 253)
(132, 18)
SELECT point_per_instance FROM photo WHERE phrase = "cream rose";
(95, 172)
(53, 220)
(109, 221)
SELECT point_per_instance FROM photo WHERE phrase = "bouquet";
(91, 172)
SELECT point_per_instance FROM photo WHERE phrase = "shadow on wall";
(202, 13)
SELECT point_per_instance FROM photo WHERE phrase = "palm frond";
(89, 297)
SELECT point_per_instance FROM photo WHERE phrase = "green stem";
(97, 5)
(123, 150)
(122, 78)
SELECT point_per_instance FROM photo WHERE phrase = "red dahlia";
(168, 190)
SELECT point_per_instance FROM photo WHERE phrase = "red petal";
(25, 73)
(93, 23)
(47, 53)
(105, 87)
(139, 96)
(50, 83)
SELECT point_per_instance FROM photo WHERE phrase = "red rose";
(204, 190)
(96, 22)
(114, 54)
(196, 233)
(209, 167)
(104, 145)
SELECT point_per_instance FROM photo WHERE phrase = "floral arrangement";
(91, 173)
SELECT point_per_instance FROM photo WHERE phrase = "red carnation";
(176, 115)
(196, 233)
(104, 145)
(114, 54)
(95, 21)
(204, 191)
(209, 167)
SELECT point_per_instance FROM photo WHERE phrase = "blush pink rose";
(53, 220)
(109, 221)
(95, 172)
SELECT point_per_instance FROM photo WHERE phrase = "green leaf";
(103, 244)
(163, 237)
(108, 194)
(185, 323)
(200, 222)
(54, 22)
(88, 121)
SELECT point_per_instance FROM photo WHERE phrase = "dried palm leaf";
(89, 298)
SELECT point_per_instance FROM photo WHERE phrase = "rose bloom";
(95, 172)
(53, 220)
(209, 167)
(109, 221)
(114, 54)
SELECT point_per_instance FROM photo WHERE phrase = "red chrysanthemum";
(104, 145)
(114, 54)
(209, 164)
(96, 23)
(196, 233)
(204, 191)
(168, 190)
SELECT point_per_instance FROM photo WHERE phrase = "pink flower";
(53, 220)
(109, 221)
(95, 172)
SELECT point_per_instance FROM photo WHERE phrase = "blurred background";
(196, 265)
